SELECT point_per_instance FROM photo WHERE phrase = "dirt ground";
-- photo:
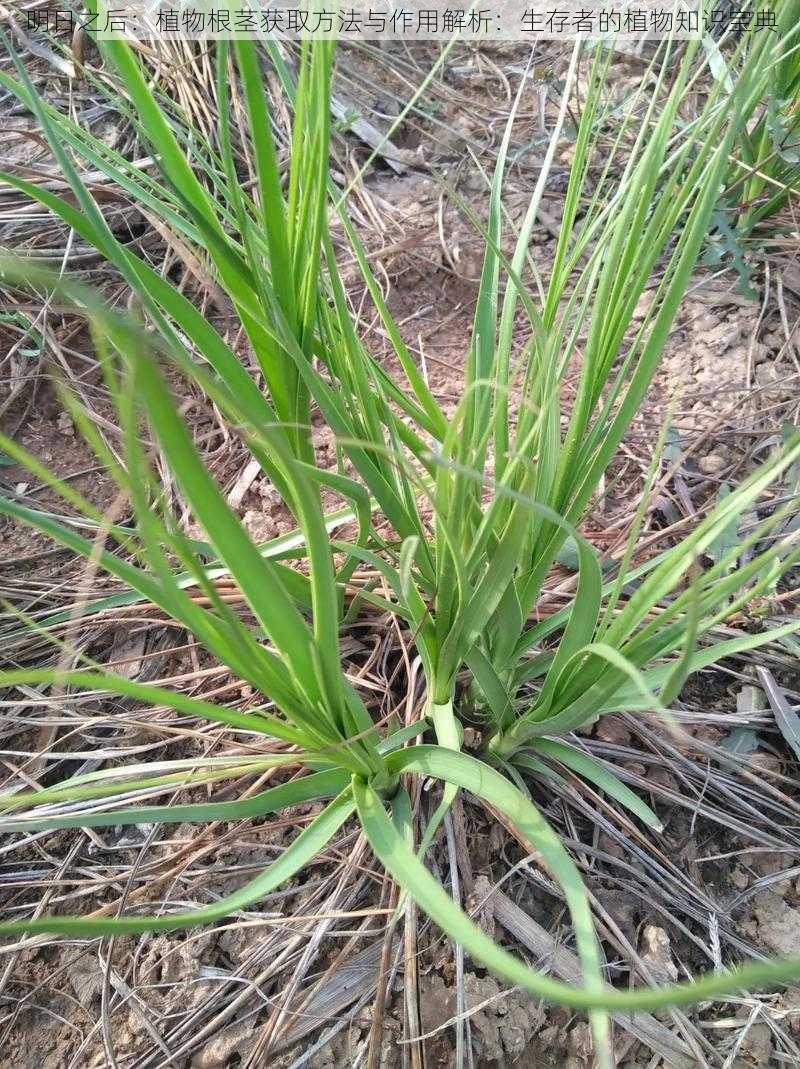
(297, 985)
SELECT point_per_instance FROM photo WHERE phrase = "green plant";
(770, 150)
(765, 172)
(503, 505)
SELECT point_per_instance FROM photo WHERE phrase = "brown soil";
(735, 373)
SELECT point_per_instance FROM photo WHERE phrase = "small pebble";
(713, 464)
